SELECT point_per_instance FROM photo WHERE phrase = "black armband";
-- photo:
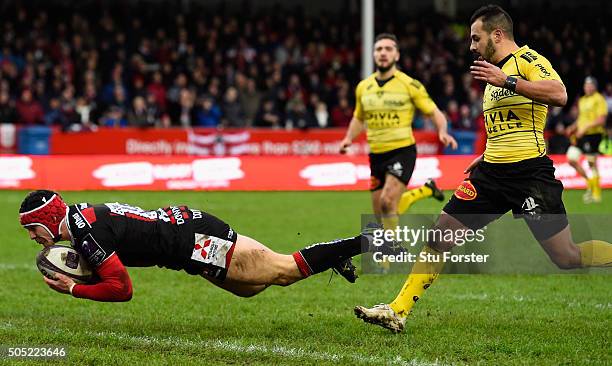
(510, 83)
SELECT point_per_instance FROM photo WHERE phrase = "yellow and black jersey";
(514, 123)
(591, 107)
(387, 108)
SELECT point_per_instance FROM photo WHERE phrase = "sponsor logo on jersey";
(394, 103)
(178, 215)
(78, 220)
(196, 214)
(500, 93)
(466, 191)
(543, 71)
(92, 251)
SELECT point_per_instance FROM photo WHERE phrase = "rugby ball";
(65, 260)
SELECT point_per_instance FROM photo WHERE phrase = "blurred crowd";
(85, 64)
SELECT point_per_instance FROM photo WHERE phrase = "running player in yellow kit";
(513, 174)
(386, 103)
(586, 134)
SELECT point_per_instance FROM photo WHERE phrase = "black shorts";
(589, 144)
(399, 163)
(213, 245)
(528, 188)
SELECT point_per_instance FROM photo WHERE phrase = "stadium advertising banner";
(208, 141)
(265, 173)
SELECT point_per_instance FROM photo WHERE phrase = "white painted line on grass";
(20, 266)
(237, 347)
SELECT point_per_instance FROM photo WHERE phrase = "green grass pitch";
(177, 319)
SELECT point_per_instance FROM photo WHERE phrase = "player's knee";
(573, 155)
(387, 205)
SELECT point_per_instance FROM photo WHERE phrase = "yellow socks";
(389, 222)
(595, 253)
(595, 188)
(410, 197)
(421, 277)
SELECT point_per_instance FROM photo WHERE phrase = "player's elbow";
(127, 292)
(559, 98)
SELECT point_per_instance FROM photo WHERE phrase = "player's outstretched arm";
(439, 120)
(354, 129)
(114, 286)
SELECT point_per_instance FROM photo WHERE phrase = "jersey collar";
(505, 59)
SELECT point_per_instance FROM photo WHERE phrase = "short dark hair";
(494, 17)
(390, 36)
(36, 199)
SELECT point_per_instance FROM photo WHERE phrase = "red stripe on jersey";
(185, 215)
(228, 256)
(138, 217)
(89, 214)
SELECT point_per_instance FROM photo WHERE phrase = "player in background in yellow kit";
(586, 134)
(386, 103)
(514, 174)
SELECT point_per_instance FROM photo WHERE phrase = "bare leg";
(562, 250)
(236, 288)
(390, 195)
(255, 264)
(576, 165)
(376, 207)
(389, 199)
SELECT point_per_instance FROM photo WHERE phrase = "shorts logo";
(202, 247)
(212, 250)
(397, 168)
(466, 191)
(529, 206)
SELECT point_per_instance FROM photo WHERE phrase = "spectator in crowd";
(114, 117)
(157, 88)
(209, 114)
(268, 115)
(8, 113)
(342, 114)
(298, 116)
(321, 114)
(250, 98)
(138, 115)
(183, 113)
(29, 111)
(466, 121)
(233, 112)
(54, 115)
(453, 115)
(169, 50)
